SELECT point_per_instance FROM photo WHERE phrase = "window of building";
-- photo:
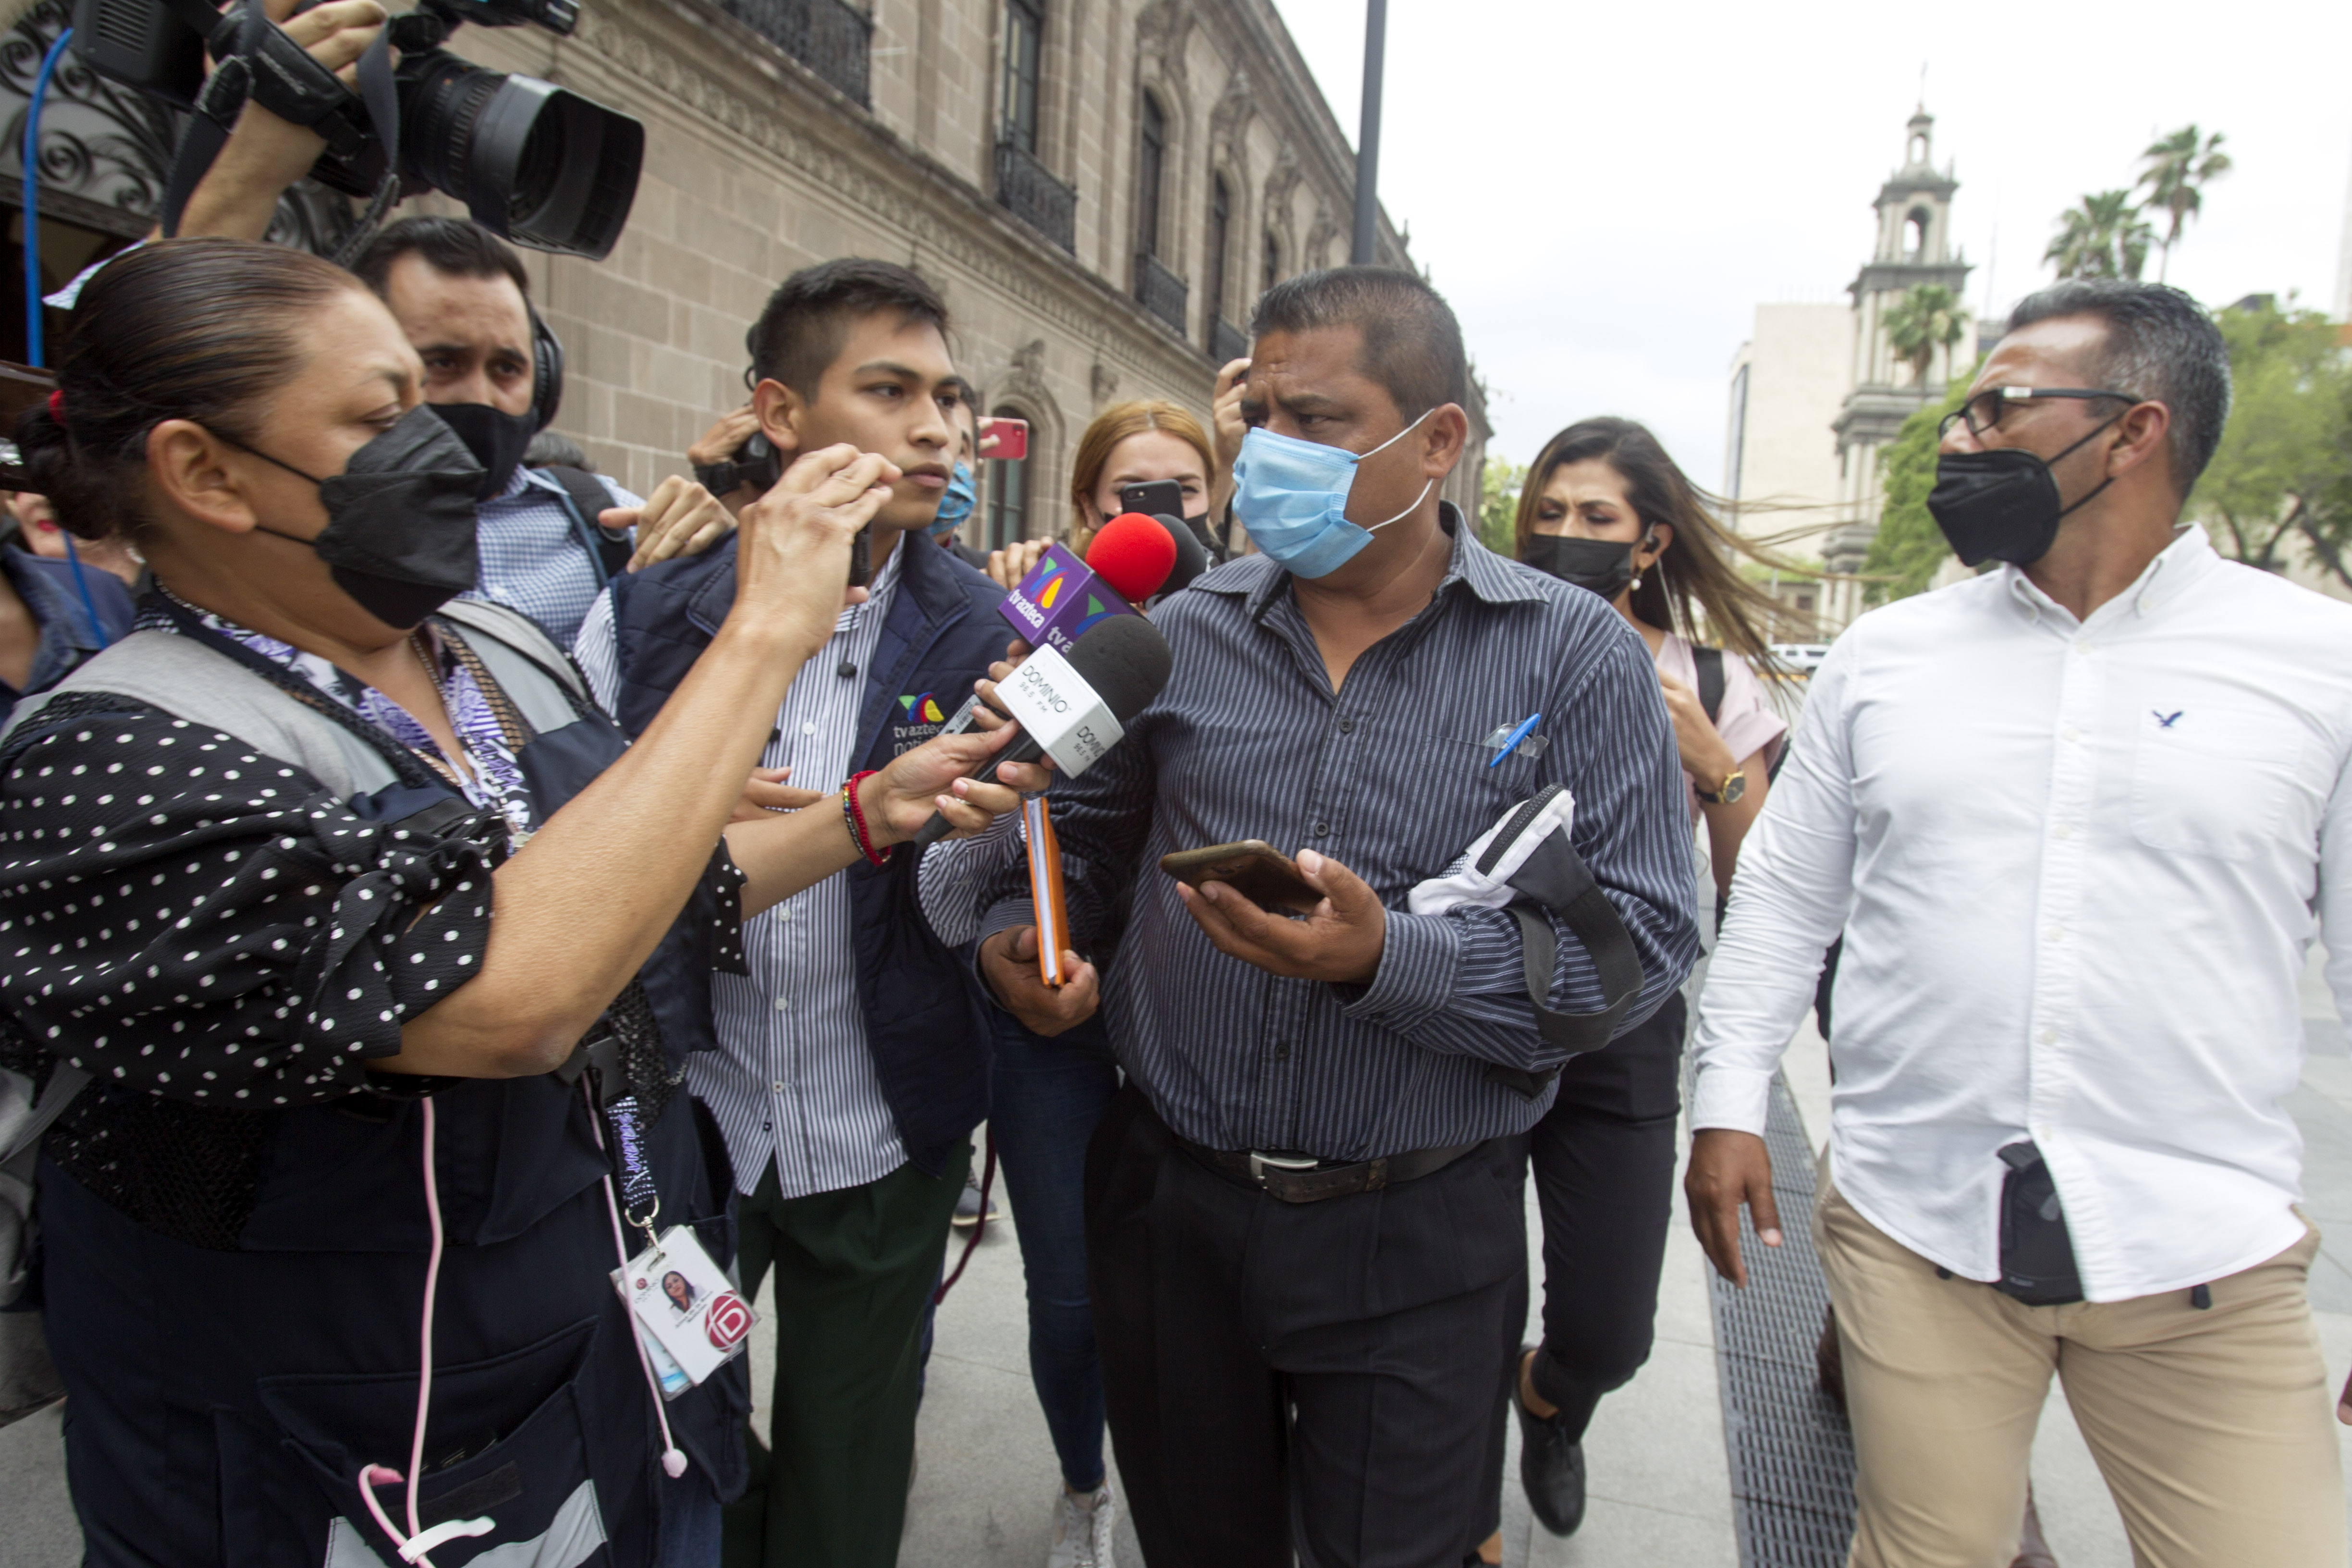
(1221, 213)
(1270, 269)
(1008, 493)
(1024, 27)
(1148, 163)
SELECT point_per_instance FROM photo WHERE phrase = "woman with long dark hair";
(330, 1232)
(1605, 508)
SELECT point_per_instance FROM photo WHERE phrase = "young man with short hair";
(852, 1060)
(2079, 819)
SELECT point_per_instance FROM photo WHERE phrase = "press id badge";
(686, 1311)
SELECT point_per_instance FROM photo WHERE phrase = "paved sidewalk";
(984, 1488)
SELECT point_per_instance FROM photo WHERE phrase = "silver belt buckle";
(1258, 1164)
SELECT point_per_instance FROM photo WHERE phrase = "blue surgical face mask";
(1292, 496)
(955, 502)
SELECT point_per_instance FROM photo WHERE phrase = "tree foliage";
(1498, 504)
(2282, 474)
(1908, 548)
(2105, 237)
(1925, 318)
(2178, 169)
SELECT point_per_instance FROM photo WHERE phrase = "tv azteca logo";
(1045, 586)
(921, 710)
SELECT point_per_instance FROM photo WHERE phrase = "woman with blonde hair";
(1604, 508)
(1129, 443)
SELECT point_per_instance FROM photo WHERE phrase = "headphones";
(546, 371)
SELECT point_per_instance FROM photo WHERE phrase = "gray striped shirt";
(1388, 776)
(793, 1082)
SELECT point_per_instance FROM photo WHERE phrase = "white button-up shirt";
(2077, 866)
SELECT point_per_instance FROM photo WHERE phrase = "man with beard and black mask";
(493, 373)
(2079, 820)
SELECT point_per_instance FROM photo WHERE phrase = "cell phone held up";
(1153, 498)
(1002, 437)
(1252, 867)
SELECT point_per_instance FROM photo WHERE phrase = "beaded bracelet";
(854, 814)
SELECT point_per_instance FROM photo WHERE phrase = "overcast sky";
(1606, 191)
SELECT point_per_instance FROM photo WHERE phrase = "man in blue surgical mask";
(1309, 1195)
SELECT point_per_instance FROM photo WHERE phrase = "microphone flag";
(1067, 719)
(1059, 601)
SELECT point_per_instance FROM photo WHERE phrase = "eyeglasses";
(1983, 411)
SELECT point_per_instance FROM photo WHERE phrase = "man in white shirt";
(2079, 819)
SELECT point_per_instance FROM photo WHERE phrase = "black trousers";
(1330, 1369)
(1604, 1167)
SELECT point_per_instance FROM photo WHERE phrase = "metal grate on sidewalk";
(1790, 1451)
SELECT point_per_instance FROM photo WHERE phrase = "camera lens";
(532, 162)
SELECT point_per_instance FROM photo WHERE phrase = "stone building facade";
(1101, 189)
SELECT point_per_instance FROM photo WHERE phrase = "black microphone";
(1192, 559)
(1074, 709)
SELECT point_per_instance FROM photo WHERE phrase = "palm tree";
(2103, 237)
(1927, 319)
(2179, 167)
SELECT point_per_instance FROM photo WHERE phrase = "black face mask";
(400, 520)
(1603, 565)
(2002, 503)
(495, 437)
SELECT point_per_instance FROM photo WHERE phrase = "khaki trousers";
(2213, 1428)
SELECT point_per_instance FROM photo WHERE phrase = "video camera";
(533, 162)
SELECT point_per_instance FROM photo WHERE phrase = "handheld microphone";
(1142, 553)
(1134, 553)
(1074, 709)
(1191, 556)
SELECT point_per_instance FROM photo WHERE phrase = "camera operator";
(550, 540)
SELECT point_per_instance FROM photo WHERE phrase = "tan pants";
(2214, 1428)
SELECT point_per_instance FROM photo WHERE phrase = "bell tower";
(1913, 248)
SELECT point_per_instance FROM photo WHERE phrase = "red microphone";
(1134, 553)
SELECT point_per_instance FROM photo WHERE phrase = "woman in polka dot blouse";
(306, 872)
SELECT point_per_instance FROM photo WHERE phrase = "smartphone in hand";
(1154, 498)
(1252, 867)
(1002, 437)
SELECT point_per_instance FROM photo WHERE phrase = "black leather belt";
(1302, 1179)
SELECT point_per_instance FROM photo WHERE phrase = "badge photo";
(684, 1303)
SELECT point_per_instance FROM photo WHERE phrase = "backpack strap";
(1710, 681)
(585, 497)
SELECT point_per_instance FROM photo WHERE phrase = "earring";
(1635, 585)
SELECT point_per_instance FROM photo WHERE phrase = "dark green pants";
(853, 1269)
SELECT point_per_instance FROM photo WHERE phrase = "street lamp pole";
(1367, 138)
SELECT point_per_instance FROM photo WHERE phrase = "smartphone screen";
(1158, 498)
(1012, 438)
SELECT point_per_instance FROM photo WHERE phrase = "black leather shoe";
(1551, 1468)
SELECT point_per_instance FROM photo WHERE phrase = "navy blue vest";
(926, 1019)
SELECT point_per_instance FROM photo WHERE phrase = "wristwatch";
(1734, 786)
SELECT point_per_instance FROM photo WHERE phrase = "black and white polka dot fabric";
(183, 915)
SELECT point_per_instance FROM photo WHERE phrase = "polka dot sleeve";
(185, 916)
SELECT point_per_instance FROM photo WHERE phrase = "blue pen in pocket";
(1509, 738)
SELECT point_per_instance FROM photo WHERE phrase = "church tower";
(1915, 248)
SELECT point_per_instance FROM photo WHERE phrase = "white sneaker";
(1082, 1530)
